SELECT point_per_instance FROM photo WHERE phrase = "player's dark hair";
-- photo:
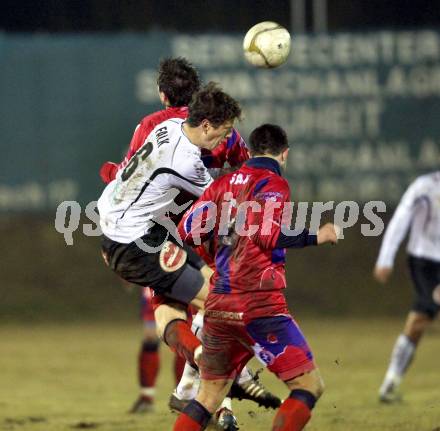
(213, 104)
(268, 139)
(178, 79)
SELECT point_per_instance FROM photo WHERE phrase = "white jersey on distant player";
(146, 187)
(420, 208)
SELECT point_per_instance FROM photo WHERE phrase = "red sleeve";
(236, 150)
(271, 197)
(232, 150)
(109, 170)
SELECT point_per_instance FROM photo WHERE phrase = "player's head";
(269, 140)
(178, 80)
(211, 115)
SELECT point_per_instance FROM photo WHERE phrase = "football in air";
(267, 45)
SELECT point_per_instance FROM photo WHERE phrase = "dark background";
(198, 16)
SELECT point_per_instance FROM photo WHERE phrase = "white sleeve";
(398, 227)
(193, 176)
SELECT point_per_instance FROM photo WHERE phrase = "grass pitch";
(73, 377)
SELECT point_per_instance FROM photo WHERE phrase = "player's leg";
(198, 413)
(296, 410)
(403, 354)
(178, 367)
(279, 343)
(174, 330)
(223, 358)
(188, 386)
(148, 369)
(190, 287)
(426, 278)
(148, 357)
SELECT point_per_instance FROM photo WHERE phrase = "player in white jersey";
(135, 212)
(165, 165)
(419, 210)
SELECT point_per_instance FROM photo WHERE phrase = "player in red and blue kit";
(246, 313)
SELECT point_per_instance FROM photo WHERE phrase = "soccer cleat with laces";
(254, 390)
(226, 420)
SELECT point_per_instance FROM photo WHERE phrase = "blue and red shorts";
(229, 343)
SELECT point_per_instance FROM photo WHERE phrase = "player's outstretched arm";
(328, 234)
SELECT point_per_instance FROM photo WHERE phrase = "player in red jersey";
(246, 312)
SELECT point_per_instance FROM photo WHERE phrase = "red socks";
(194, 417)
(293, 415)
(185, 423)
(179, 365)
(148, 365)
(181, 340)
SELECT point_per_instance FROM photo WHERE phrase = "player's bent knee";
(311, 382)
(165, 314)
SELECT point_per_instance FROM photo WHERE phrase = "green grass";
(59, 378)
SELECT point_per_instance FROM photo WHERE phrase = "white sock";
(189, 383)
(148, 392)
(401, 357)
(244, 376)
(197, 325)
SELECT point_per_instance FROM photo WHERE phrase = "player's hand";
(328, 233)
(108, 171)
(382, 273)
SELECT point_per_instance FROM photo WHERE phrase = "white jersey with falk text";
(145, 189)
(420, 208)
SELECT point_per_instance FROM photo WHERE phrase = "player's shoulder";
(432, 177)
(276, 184)
(426, 180)
(158, 117)
(273, 180)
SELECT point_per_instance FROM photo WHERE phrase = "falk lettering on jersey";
(162, 136)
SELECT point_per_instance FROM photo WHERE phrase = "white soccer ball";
(266, 44)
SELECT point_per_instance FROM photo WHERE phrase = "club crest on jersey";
(266, 357)
(172, 257)
(263, 355)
